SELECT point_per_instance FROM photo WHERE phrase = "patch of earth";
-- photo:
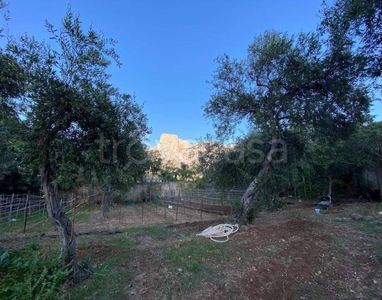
(296, 259)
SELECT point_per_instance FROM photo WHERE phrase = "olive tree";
(68, 106)
(286, 83)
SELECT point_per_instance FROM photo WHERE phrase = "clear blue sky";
(168, 47)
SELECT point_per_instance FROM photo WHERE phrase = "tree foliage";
(70, 108)
(289, 84)
(359, 20)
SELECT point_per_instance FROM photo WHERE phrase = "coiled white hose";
(218, 232)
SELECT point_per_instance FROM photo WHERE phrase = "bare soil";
(286, 254)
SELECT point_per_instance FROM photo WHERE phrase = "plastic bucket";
(318, 211)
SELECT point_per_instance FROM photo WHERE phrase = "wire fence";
(19, 211)
(29, 208)
(209, 200)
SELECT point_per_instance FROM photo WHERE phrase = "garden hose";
(219, 233)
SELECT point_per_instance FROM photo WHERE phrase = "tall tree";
(287, 83)
(184, 172)
(70, 105)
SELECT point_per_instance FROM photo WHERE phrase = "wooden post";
(74, 217)
(30, 207)
(26, 213)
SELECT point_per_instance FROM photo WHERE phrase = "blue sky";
(168, 47)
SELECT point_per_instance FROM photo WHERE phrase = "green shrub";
(280, 204)
(29, 274)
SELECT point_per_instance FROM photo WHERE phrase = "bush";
(29, 274)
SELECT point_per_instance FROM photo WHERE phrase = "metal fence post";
(26, 213)
(10, 210)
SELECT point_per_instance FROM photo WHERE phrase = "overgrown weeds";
(30, 273)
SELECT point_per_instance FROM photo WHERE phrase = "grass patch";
(157, 231)
(192, 263)
(37, 219)
(121, 240)
(368, 209)
(83, 217)
(369, 226)
(112, 274)
(109, 281)
(197, 249)
(188, 263)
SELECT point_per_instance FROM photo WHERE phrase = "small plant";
(33, 245)
(251, 215)
(281, 204)
(115, 230)
(86, 269)
(29, 274)
(237, 207)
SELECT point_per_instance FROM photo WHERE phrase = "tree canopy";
(289, 84)
(360, 21)
(76, 124)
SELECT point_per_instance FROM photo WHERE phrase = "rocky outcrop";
(174, 151)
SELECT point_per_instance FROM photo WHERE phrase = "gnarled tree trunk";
(252, 194)
(60, 221)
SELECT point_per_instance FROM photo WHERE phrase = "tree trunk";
(60, 221)
(330, 186)
(252, 194)
(310, 187)
(304, 182)
(104, 203)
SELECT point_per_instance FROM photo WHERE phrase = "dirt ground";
(287, 254)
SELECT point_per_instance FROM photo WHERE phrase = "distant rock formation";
(175, 151)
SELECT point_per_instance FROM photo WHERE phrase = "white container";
(318, 211)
